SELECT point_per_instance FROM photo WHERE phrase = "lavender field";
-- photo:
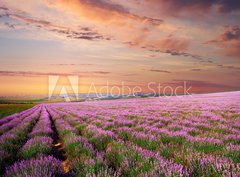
(195, 135)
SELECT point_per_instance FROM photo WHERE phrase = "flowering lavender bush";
(195, 135)
(39, 167)
(12, 139)
(36, 146)
(43, 126)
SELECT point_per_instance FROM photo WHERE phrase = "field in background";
(195, 135)
(8, 109)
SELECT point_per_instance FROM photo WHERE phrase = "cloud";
(115, 20)
(39, 74)
(72, 64)
(129, 75)
(101, 72)
(85, 33)
(102, 11)
(228, 5)
(9, 25)
(231, 33)
(228, 42)
(194, 7)
(4, 12)
(196, 69)
(171, 45)
(126, 27)
(196, 86)
(228, 67)
(177, 52)
(30, 73)
(202, 86)
(81, 33)
(4, 8)
(160, 71)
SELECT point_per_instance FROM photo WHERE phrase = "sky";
(108, 41)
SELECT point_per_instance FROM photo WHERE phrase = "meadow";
(196, 135)
(9, 109)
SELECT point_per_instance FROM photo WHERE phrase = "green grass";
(9, 109)
(165, 153)
(118, 155)
(35, 151)
(207, 148)
(146, 143)
(235, 156)
(203, 128)
(101, 143)
(125, 135)
(222, 131)
(179, 140)
(236, 127)
(35, 148)
(76, 149)
(193, 133)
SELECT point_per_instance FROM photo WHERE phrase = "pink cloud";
(193, 7)
(228, 42)
(126, 27)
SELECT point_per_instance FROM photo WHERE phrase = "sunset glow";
(130, 41)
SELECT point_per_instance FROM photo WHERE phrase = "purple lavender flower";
(39, 167)
(36, 146)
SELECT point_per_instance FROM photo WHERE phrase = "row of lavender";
(180, 136)
(173, 136)
(14, 133)
(25, 147)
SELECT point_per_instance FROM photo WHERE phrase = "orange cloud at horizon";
(19, 85)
